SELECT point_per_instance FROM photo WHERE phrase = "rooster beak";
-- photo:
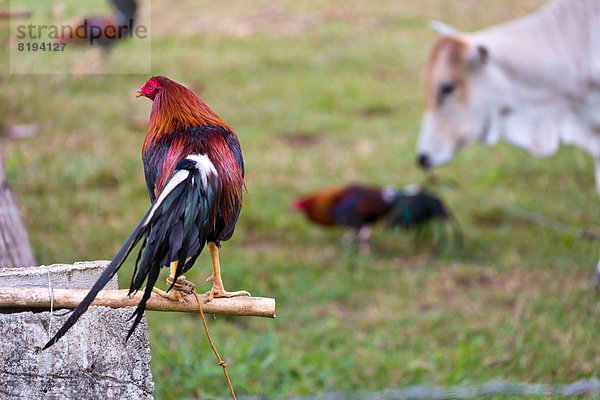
(139, 93)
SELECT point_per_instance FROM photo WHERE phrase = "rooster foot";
(181, 287)
(174, 294)
(220, 292)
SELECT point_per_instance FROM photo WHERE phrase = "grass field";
(321, 93)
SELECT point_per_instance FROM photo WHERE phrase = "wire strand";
(221, 362)
(51, 290)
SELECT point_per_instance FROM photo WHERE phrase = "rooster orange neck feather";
(177, 107)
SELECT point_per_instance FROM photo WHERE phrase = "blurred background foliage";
(320, 93)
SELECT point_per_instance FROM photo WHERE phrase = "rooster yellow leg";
(218, 290)
(175, 292)
(364, 234)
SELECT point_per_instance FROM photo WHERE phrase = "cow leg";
(364, 235)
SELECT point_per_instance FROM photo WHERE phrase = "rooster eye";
(150, 86)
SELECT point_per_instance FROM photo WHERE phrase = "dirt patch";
(490, 290)
(379, 110)
(302, 139)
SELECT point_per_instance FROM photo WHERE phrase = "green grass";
(321, 94)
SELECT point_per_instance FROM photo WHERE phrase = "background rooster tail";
(126, 11)
(416, 208)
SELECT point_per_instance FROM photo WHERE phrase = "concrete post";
(92, 361)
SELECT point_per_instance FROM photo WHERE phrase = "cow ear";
(441, 28)
(477, 56)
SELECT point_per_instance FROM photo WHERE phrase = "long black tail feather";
(106, 276)
(139, 310)
(175, 228)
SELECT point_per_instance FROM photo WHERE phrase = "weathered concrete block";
(92, 361)
(80, 275)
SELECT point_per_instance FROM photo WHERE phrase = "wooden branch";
(39, 298)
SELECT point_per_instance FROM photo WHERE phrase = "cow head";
(459, 94)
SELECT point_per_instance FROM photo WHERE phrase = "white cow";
(533, 82)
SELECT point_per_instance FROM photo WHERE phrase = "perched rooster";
(103, 30)
(195, 176)
(359, 207)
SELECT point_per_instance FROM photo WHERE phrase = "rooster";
(103, 30)
(195, 177)
(360, 207)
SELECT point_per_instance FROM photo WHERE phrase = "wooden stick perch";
(39, 298)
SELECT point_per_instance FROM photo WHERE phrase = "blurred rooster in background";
(357, 207)
(195, 177)
(104, 30)
(360, 207)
